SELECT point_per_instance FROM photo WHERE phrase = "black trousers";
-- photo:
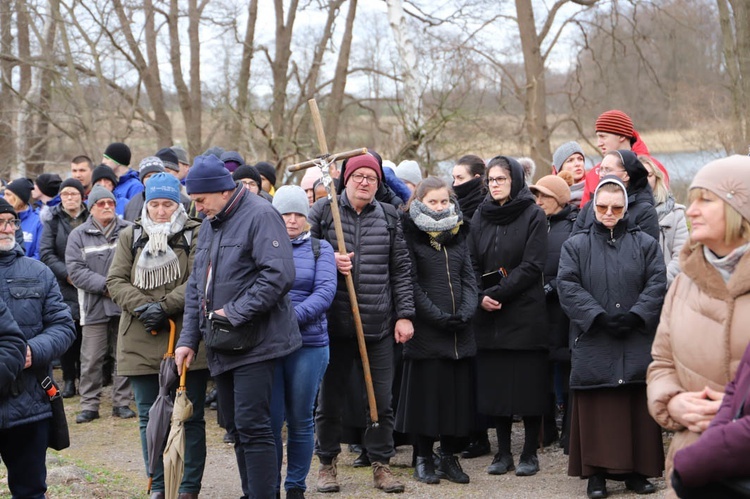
(23, 450)
(377, 441)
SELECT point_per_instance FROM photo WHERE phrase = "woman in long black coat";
(553, 195)
(509, 236)
(612, 281)
(435, 402)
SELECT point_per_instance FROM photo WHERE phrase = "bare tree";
(734, 18)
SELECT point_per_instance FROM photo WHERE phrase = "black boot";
(597, 487)
(451, 469)
(69, 390)
(363, 460)
(424, 471)
(480, 447)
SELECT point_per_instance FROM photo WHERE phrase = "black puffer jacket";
(444, 285)
(603, 271)
(381, 270)
(52, 252)
(560, 227)
(521, 248)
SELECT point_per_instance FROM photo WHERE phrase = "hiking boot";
(384, 480)
(450, 469)
(327, 481)
(501, 464)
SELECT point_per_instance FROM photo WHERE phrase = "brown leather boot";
(327, 481)
(384, 480)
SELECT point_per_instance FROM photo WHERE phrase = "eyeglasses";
(616, 210)
(13, 223)
(604, 170)
(359, 178)
(497, 180)
(249, 182)
(104, 203)
(72, 194)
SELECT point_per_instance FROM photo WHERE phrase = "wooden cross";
(324, 161)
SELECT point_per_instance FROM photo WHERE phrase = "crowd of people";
(578, 305)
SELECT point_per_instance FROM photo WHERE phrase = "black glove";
(457, 323)
(628, 323)
(601, 322)
(548, 289)
(153, 317)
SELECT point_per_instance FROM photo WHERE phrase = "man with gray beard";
(30, 304)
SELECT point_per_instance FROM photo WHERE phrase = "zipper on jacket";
(453, 298)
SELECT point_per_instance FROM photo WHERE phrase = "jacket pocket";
(26, 297)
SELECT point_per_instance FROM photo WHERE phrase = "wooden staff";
(318, 123)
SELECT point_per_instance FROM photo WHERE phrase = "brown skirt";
(612, 432)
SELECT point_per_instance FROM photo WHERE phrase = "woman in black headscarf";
(509, 248)
(468, 183)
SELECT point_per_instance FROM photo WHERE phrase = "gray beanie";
(409, 171)
(150, 164)
(99, 192)
(291, 199)
(565, 151)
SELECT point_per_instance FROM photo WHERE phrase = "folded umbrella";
(161, 410)
(174, 452)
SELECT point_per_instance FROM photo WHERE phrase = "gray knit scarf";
(158, 263)
(441, 226)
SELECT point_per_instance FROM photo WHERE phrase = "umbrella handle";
(183, 376)
(172, 334)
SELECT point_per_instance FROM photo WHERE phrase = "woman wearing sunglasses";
(611, 282)
(634, 176)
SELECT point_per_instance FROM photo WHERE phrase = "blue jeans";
(245, 400)
(295, 386)
(23, 450)
(146, 388)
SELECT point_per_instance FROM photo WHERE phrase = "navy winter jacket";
(252, 270)
(606, 271)
(30, 290)
(313, 290)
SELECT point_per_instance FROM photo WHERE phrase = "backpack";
(139, 241)
(315, 243)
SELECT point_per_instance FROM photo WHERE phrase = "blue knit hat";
(208, 175)
(163, 186)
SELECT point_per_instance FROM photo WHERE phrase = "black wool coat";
(610, 272)
(560, 226)
(521, 248)
(444, 285)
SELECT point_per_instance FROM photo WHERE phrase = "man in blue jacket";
(236, 300)
(35, 307)
(117, 156)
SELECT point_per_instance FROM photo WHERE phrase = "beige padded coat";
(702, 335)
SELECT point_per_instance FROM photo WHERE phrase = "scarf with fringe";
(158, 263)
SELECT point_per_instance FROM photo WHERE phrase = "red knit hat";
(363, 161)
(616, 122)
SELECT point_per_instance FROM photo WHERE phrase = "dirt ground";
(105, 461)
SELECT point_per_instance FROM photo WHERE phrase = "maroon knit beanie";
(363, 161)
(616, 122)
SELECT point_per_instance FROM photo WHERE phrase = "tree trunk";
(279, 70)
(735, 33)
(535, 98)
(410, 99)
(148, 70)
(336, 100)
(243, 79)
(7, 104)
